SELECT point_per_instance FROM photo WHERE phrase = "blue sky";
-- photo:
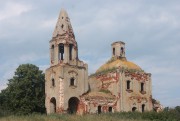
(150, 29)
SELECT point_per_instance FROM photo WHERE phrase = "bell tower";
(67, 76)
(118, 49)
(63, 46)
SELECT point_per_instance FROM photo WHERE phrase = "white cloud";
(2, 87)
(13, 9)
(49, 23)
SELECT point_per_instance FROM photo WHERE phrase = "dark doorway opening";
(73, 105)
(99, 109)
(134, 109)
(143, 107)
(110, 109)
(53, 105)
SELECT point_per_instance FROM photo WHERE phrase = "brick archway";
(52, 105)
(73, 105)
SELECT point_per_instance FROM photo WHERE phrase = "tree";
(25, 93)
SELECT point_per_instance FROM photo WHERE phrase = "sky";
(150, 29)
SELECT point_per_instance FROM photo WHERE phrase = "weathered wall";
(62, 91)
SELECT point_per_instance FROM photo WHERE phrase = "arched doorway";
(53, 105)
(110, 109)
(134, 109)
(73, 105)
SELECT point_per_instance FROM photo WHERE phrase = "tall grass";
(171, 115)
(66, 117)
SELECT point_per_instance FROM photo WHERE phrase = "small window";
(128, 84)
(72, 82)
(143, 107)
(134, 109)
(62, 26)
(53, 82)
(113, 51)
(52, 52)
(110, 109)
(142, 87)
(122, 49)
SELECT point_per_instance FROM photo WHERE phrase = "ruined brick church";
(118, 85)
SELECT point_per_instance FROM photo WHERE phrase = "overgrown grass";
(66, 117)
(171, 115)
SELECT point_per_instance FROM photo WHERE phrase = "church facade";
(118, 85)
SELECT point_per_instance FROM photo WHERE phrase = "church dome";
(115, 63)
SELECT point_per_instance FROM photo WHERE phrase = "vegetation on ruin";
(166, 115)
(105, 71)
(25, 93)
(104, 90)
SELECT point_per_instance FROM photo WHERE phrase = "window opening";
(52, 52)
(122, 49)
(134, 109)
(61, 51)
(113, 51)
(142, 87)
(62, 26)
(53, 82)
(72, 82)
(70, 51)
(128, 84)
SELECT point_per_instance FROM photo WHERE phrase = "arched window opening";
(128, 84)
(62, 26)
(110, 109)
(70, 51)
(142, 87)
(52, 52)
(61, 51)
(53, 82)
(134, 109)
(122, 50)
(53, 105)
(113, 51)
(143, 107)
(99, 109)
(72, 83)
